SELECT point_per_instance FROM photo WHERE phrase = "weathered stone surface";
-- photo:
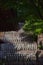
(15, 38)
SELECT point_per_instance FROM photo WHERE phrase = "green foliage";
(29, 10)
(35, 27)
(34, 22)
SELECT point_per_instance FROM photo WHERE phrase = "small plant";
(40, 46)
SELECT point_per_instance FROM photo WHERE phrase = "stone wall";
(16, 51)
(14, 38)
